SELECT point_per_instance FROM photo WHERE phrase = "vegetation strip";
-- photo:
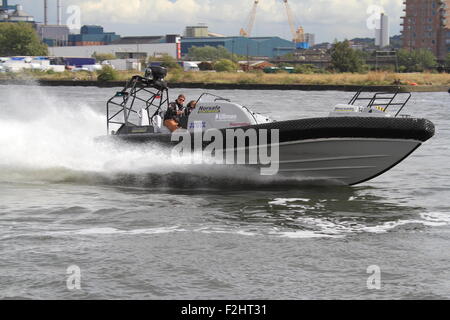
(230, 86)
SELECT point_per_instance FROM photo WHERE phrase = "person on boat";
(190, 107)
(174, 112)
(186, 113)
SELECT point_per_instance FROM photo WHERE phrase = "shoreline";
(234, 86)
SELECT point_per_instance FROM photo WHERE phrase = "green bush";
(167, 62)
(416, 60)
(225, 65)
(107, 74)
(205, 66)
(447, 61)
(346, 59)
(305, 69)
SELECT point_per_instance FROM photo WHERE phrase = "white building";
(121, 51)
(382, 34)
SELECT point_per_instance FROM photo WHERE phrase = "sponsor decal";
(203, 109)
(197, 125)
(239, 124)
(341, 109)
(225, 117)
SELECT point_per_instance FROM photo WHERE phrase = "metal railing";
(149, 93)
(383, 100)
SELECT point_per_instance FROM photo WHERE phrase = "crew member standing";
(173, 113)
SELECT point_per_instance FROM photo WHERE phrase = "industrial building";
(14, 13)
(140, 47)
(144, 47)
(426, 25)
(255, 47)
(56, 34)
(121, 51)
(310, 38)
(200, 31)
(92, 36)
(169, 38)
(382, 34)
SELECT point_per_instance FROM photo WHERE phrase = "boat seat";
(158, 124)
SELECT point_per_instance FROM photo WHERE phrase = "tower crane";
(297, 34)
(251, 21)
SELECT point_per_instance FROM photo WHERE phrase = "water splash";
(48, 138)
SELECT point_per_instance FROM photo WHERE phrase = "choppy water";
(141, 227)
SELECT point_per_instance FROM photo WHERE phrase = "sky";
(327, 19)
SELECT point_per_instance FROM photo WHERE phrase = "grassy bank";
(371, 78)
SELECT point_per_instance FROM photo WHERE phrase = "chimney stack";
(45, 13)
(58, 13)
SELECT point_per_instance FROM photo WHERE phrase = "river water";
(138, 226)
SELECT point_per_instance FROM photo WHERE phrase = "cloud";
(141, 11)
(329, 19)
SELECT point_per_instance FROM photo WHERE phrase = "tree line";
(20, 39)
(343, 59)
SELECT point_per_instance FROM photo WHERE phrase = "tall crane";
(251, 21)
(298, 34)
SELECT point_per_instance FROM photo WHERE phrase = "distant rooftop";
(140, 40)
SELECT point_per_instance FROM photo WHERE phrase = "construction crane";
(251, 21)
(297, 34)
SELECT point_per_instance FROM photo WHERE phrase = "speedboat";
(356, 142)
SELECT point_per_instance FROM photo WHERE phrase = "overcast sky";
(328, 19)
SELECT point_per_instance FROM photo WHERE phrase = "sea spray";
(38, 130)
(48, 137)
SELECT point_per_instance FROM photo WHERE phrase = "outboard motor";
(157, 75)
